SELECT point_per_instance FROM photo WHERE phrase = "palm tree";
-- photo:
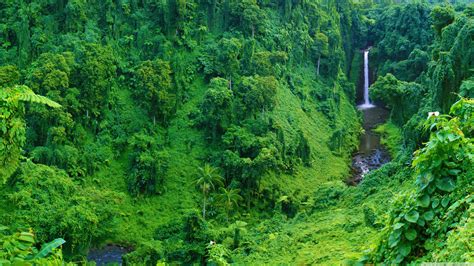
(208, 179)
(229, 198)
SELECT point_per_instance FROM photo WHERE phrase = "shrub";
(148, 166)
(327, 195)
(19, 249)
(147, 253)
(50, 202)
(421, 219)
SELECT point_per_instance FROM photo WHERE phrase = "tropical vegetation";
(223, 132)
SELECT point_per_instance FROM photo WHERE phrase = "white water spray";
(366, 104)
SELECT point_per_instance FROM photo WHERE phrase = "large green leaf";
(410, 234)
(27, 237)
(412, 216)
(393, 239)
(48, 247)
(424, 201)
(399, 259)
(404, 249)
(421, 222)
(424, 180)
(445, 202)
(398, 226)
(429, 215)
(27, 95)
(454, 172)
(445, 184)
(453, 137)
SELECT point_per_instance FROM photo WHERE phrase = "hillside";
(220, 132)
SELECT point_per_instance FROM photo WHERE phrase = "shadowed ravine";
(371, 155)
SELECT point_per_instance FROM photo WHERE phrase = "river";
(371, 154)
(108, 255)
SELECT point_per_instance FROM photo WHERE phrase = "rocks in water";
(108, 255)
(362, 163)
(371, 154)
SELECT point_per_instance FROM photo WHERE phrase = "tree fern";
(25, 94)
(12, 125)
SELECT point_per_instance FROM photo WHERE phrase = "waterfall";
(366, 77)
(366, 103)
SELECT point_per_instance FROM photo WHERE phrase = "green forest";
(219, 132)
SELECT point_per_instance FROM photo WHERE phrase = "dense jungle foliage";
(222, 131)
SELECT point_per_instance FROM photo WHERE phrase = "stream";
(109, 255)
(371, 154)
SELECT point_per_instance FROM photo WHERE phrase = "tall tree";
(98, 68)
(208, 179)
(216, 105)
(229, 198)
(154, 88)
(258, 93)
(320, 48)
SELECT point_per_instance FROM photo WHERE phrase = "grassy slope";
(334, 235)
(325, 165)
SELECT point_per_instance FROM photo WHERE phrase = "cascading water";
(371, 154)
(366, 104)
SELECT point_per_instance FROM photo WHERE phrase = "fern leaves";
(12, 125)
(25, 94)
(32, 97)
